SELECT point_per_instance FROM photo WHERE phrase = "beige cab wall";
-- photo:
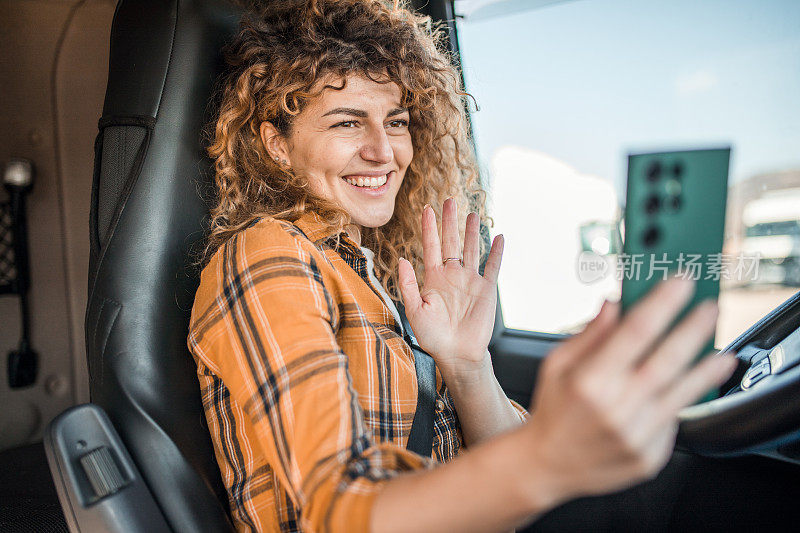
(53, 68)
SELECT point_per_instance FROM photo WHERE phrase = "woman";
(340, 125)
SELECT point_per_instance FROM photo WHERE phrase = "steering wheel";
(764, 411)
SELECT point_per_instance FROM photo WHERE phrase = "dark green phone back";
(674, 222)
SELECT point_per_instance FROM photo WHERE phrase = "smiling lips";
(367, 181)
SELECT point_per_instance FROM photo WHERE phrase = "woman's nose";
(376, 147)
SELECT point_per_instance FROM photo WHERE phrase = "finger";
(711, 372)
(450, 242)
(409, 289)
(492, 268)
(645, 323)
(431, 251)
(472, 242)
(570, 351)
(678, 350)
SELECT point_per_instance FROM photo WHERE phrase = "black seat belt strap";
(421, 438)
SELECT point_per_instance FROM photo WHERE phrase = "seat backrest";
(151, 175)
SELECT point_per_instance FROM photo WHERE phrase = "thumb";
(409, 290)
(585, 343)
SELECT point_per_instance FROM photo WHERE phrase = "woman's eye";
(399, 123)
(346, 124)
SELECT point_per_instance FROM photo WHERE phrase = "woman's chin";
(372, 219)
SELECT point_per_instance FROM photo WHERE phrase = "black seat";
(151, 175)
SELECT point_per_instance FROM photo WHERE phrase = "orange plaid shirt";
(308, 387)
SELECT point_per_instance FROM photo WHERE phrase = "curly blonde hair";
(277, 59)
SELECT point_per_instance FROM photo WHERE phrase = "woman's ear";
(275, 144)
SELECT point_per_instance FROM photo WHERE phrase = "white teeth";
(370, 183)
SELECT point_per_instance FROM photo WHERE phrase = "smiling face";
(353, 145)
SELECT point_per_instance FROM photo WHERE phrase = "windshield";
(567, 89)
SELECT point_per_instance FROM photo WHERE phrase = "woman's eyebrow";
(347, 111)
(396, 111)
(361, 113)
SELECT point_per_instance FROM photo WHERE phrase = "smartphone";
(674, 223)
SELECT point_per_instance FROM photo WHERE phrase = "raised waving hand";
(453, 314)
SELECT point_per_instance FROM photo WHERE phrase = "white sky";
(589, 81)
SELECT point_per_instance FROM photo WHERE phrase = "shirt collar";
(323, 236)
(318, 232)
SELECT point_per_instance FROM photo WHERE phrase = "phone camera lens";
(677, 170)
(651, 236)
(653, 171)
(652, 204)
(673, 187)
(674, 202)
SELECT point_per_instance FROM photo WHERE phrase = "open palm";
(453, 314)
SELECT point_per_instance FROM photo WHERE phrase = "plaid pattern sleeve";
(304, 433)
(521, 411)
